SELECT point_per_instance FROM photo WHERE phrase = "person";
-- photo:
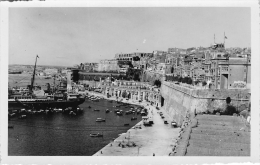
(101, 152)
(153, 154)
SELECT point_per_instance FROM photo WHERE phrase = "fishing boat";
(133, 118)
(100, 120)
(22, 117)
(96, 135)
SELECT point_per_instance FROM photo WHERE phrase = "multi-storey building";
(108, 65)
(235, 69)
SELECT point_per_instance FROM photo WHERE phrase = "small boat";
(22, 117)
(133, 118)
(127, 124)
(100, 120)
(107, 111)
(10, 126)
(89, 106)
(72, 113)
(12, 114)
(96, 110)
(41, 110)
(95, 135)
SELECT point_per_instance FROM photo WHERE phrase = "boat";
(10, 126)
(72, 113)
(96, 110)
(95, 135)
(22, 117)
(100, 120)
(15, 72)
(107, 111)
(133, 118)
(29, 100)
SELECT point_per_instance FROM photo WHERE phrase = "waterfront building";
(136, 91)
(108, 65)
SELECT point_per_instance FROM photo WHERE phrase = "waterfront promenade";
(157, 139)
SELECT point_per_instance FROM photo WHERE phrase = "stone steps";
(219, 145)
(200, 151)
(213, 122)
(217, 117)
(219, 138)
(199, 130)
(221, 127)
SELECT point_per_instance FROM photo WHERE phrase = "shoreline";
(156, 140)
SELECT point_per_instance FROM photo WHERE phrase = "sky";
(69, 36)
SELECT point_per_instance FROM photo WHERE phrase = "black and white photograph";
(145, 81)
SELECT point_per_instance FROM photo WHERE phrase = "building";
(235, 70)
(108, 65)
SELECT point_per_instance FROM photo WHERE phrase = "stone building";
(108, 65)
(136, 91)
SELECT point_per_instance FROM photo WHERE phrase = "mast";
(31, 87)
(224, 38)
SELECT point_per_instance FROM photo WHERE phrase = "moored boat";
(96, 135)
(100, 120)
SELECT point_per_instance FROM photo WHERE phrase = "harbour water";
(68, 135)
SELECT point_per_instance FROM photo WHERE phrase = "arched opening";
(162, 101)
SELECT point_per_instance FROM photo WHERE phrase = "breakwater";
(180, 100)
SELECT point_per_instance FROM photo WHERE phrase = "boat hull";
(44, 104)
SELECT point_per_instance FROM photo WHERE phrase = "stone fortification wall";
(178, 100)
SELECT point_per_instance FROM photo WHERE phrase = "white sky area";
(68, 36)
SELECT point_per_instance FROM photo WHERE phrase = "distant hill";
(51, 66)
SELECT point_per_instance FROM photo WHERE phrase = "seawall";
(180, 101)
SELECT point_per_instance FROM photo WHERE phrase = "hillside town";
(213, 67)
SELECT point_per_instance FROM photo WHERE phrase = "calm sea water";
(62, 134)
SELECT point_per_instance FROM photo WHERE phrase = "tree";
(136, 58)
(133, 74)
(196, 82)
(124, 94)
(204, 83)
(157, 83)
(180, 79)
(189, 81)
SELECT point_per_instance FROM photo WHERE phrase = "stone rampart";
(179, 100)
